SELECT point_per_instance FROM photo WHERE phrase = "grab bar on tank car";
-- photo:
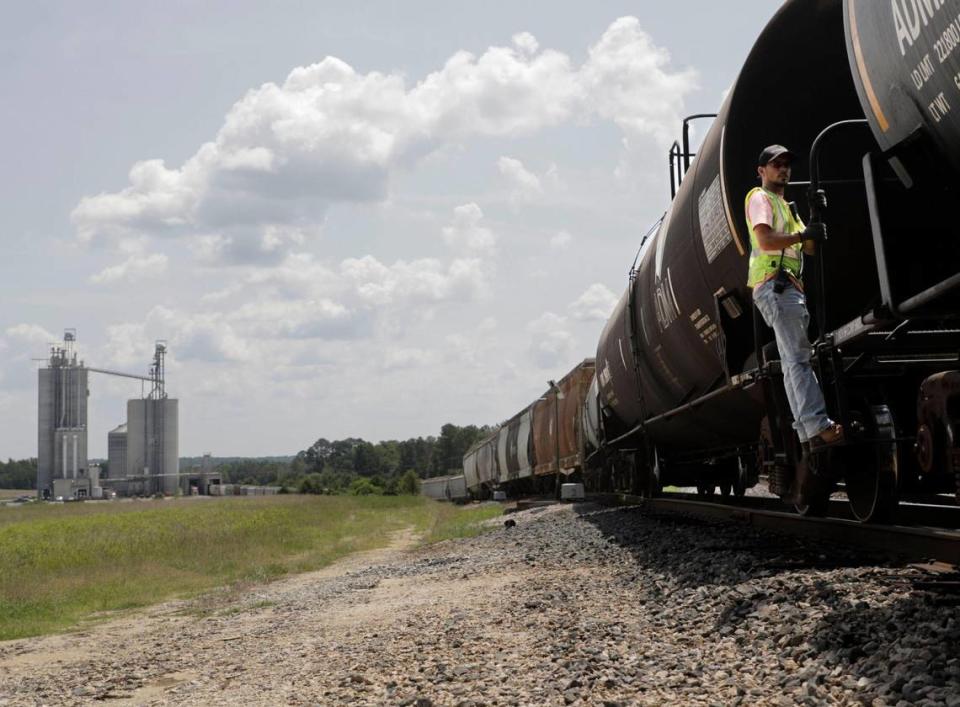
(675, 175)
(686, 137)
(817, 217)
(680, 156)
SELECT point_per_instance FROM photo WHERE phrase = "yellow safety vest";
(764, 263)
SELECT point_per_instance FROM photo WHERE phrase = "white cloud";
(524, 184)
(23, 342)
(136, 267)
(262, 186)
(303, 298)
(202, 336)
(466, 233)
(628, 81)
(551, 344)
(526, 42)
(415, 282)
(561, 240)
(31, 334)
(302, 319)
(594, 305)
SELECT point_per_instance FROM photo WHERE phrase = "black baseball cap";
(772, 152)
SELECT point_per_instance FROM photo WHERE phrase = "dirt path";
(572, 606)
(150, 656)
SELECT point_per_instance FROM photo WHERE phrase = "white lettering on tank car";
(605, 373)
(910, 16)
(939, 107)
(923, 72)
(665, 301)
(714, 228)
(710, 334)
(949, 40)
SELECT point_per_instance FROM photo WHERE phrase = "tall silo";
(153, 449)
(117, 452)
(62, 418)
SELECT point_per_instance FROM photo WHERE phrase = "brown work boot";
(833, 434)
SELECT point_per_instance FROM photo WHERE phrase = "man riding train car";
(775, 274)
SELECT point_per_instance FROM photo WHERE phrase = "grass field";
(66, 563)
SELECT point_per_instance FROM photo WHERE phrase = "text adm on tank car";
(688, 384)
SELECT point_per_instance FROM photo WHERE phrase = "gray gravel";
(572, 606)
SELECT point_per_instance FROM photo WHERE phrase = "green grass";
(63, 564)
(460, 521)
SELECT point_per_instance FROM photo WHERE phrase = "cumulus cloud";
(594, 305)
(262, 185)
(302, 319)
(627, 78)
(191, 336)
(31, 334)
(524, 184)
(526, 42)
(22, 342)
(304, 298)
(415, 282)
(551, 343)
(466, 233)
(136, 267)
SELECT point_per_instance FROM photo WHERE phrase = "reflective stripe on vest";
(764, 263)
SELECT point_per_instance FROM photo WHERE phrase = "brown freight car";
(561, 408)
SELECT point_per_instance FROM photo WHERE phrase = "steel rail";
(919, 512)
(909, 543)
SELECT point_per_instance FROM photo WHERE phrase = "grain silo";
(153, 451)
(62, 418)
(117, 452)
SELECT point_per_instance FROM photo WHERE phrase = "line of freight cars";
(542, 444)
(689, 383)
(445, 488)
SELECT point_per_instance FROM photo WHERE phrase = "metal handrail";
(817, 217)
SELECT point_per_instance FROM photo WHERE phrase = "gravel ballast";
(573, 605)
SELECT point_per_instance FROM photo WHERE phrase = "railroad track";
(924, 533)
(922, 511)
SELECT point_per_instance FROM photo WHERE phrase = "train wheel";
(871, 472)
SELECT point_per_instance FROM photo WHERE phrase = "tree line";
(350, 465)
(354, 465)
(18, 474)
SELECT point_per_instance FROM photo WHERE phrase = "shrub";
(364, 487)
(312, 483)
(409, 483)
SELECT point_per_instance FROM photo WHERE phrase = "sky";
(344, 219)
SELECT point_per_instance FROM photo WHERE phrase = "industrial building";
(62, 420)
(202, 479)
(143, 454)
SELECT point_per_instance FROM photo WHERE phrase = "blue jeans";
(787, 315)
